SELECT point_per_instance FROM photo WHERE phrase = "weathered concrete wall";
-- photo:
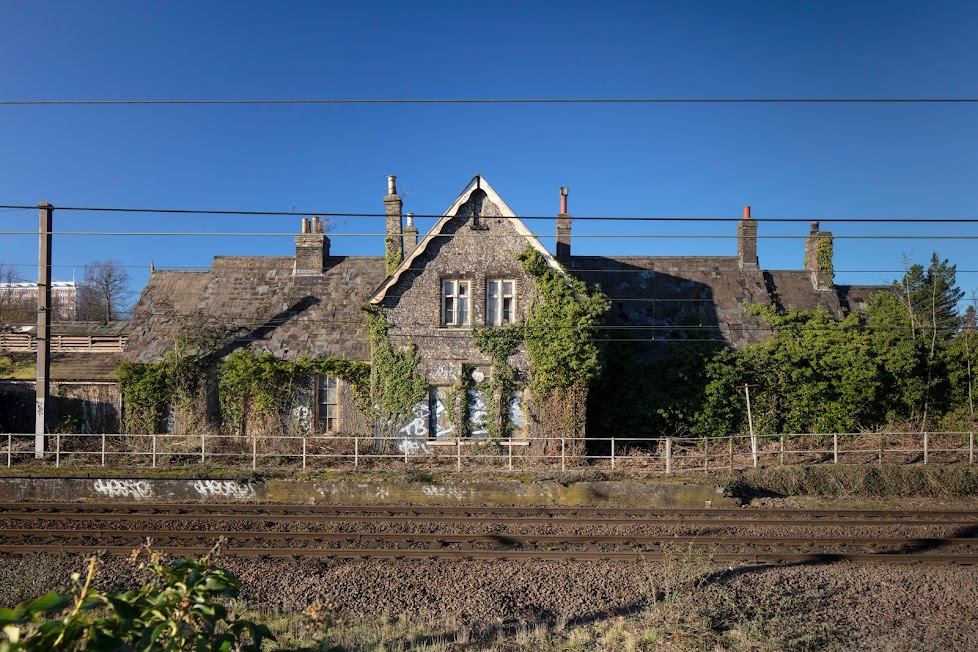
(351, 492)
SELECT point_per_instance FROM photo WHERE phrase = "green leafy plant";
(396, 385)
(177, 608)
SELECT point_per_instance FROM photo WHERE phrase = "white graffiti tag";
(138, 489)
(223, 489)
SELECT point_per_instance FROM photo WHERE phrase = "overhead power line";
(577, 236)
(583, 218)
(522, 100)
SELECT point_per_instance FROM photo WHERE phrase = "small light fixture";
(478, 376)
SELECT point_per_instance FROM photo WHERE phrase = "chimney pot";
(563, 200)
(746, 212)
(391, 185)
(305, 225)
(410, 219)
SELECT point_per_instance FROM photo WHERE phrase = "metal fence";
(658, 454)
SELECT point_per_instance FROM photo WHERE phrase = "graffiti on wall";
(411, 437)
(478, 414)
(112, 488)
(223, 489)
(444, 428)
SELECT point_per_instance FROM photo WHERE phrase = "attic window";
(455, 294)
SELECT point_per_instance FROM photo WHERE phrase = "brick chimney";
(818, 257)
(747, 240)
(563, 228)
(410, 236)
(311, 248)
(394, 247)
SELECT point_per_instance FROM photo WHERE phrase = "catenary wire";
(526, 100)
(600, 218)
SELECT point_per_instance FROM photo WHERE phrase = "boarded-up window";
(441, 413)
(327, 403)
(478, 415)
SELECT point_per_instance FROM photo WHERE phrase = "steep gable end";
(479, 201)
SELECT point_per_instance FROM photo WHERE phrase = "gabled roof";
(477, 183)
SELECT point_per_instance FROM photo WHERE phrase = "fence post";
(203, 443)
(612, 453)
(925, 448)
(971, 449)
(303, 453)
(10, 445)
(835, 448)
(458, 453)
(154, 450)
(706, 462)
(562, 455)
(254, 452)
(57, 451)
(510, 444)
(356, 451)
(103, 449)
(731, 451)
(782, 450)
(668, 454)
(881, 450)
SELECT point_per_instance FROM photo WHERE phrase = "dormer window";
(455, 294)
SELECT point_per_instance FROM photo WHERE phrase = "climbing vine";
(498, 344)
(823, 254)
(146, 393)
(248, 386)
(560, 328)
(396, 386)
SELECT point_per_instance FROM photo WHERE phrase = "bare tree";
(106, 294)
(14, 308)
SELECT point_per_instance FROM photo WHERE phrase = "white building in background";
(64, 297)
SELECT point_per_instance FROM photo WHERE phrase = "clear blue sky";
(787, 160)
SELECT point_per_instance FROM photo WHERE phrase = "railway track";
(69, 529)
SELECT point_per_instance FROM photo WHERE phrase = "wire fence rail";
(621, 454)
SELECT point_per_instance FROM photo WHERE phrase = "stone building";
(434, 290)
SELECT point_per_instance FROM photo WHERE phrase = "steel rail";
(263, 508)
(534, 555)
(495, 520)
(494, 539)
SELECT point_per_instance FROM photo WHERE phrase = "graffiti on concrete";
(223, 489)
(112, 488)
(441, 491)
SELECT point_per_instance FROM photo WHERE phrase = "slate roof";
(257, 301)
(666, 297)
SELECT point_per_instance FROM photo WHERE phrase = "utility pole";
(750, 422)
(43, 386)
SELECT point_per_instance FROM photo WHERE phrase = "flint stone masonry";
(413, 305)
(351, 492)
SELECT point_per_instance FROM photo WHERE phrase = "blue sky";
(677, 160)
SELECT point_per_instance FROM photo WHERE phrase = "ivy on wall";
(396, 386)
(498, 344)
(559, 330)
(823, 254)
(248, 386)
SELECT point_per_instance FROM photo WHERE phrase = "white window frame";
(456, 302)
(496, 297)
